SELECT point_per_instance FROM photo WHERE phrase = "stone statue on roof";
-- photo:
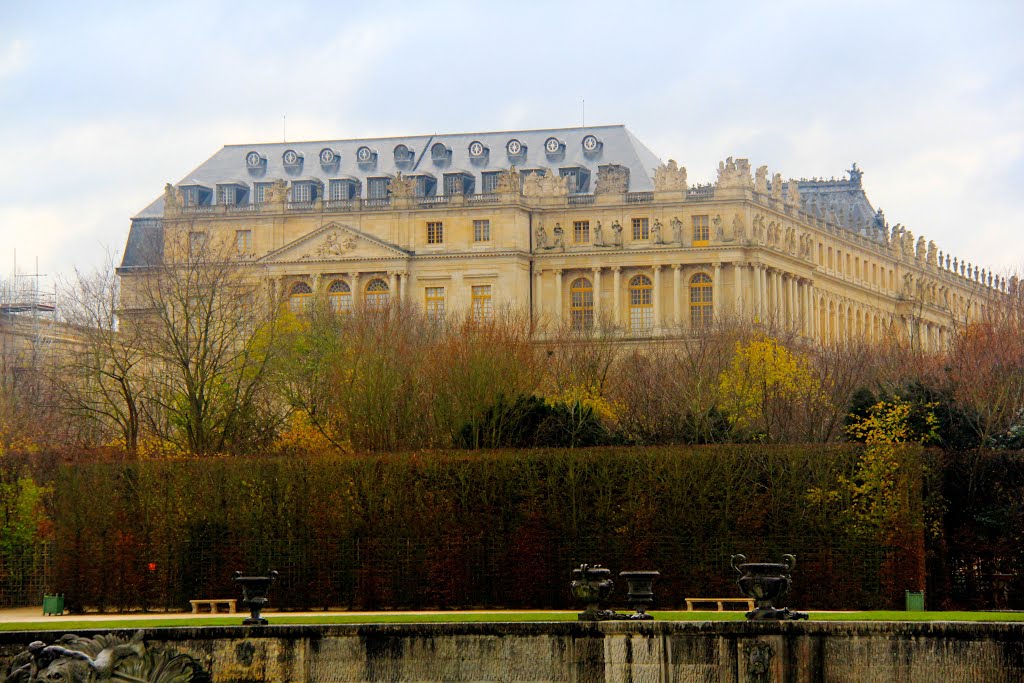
(172, 200)
(777, 187)
(855, 174)
(734, 174)
(509, 182)
(793, 194)
(670, 177)
(761, 180)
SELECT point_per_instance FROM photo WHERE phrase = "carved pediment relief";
(670, 177)
(334, 242)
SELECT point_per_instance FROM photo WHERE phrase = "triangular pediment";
(335, 242)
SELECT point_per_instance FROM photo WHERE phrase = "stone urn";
(641, 591)
(254, 595)
(766, 582)
(590, 585)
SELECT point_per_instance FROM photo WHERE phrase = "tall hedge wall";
(458, 529)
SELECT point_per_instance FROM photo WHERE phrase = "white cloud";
(13, 58)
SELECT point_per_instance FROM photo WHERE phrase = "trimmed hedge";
(457, 529)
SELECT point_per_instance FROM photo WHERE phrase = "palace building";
(578, 226)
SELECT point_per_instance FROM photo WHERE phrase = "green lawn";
(410, 618)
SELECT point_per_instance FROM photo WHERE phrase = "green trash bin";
(915, 601)
(53, 605)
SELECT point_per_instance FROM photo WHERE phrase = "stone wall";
(719, 652)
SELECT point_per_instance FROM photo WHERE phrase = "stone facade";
(639, 251)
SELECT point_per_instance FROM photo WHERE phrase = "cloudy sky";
(102, 103)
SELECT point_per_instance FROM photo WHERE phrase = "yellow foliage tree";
(767, 390)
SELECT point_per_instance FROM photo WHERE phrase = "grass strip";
(481, 617)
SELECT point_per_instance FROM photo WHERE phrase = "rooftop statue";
(612, 179)
(777, 187)
(855, 174)
(402, 187)
(670, 177)
(761, 180)
(734, 174)
(509, 182)
(793, 194)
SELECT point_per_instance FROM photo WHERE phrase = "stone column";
(403, 286)
(737, 279)
(617, 293)
(558, 296)
(716, 292)
(357, 295)
(755, 290)
(677, 293)
(656, 297)
(777, 295)
(597, 295)
(393, 287)
(538, 286)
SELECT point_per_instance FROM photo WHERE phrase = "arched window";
(581, 304)
(377, 294)
(339, 297)
(641, 308)
(701, 303)
(299, 297)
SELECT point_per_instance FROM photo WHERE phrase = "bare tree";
(102, 380)
(206, 323)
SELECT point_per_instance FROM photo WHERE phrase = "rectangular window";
(243, 242)
(425, 186)
(302, 192)
(226, 195)
(457, 183)
(435, 233)
(581, 232)
(483, 310)
(377, 188)
(482, 231)
(435, 303)
(641, 229)
(196, 244)
(260, 192)
(489, 182)
(701, 231)
(341, 190)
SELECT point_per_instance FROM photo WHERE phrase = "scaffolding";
(23, 295)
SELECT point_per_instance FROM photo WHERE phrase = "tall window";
(259, 192)
(641, 229)
(196, 244)
(226, 194)
(581, 232)
(435, 303)
(641, 305)
(483, 309)
(341, 190)
(339, 297)
(482, 231)
(377, 294)
(701, 231)
(489, 182)
(701, 304)
(302, 192)
(299, 297)
(243, 242)
(435, 233)
(581, 304)
(377, 188)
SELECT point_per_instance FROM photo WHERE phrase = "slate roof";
(618, 146)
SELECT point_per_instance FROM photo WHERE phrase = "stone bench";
(230, 602)
(720, 602)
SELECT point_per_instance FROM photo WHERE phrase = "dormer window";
(515, 149)
(579, 179)
(404, 157)
(196, 195)
(477, 150)
(426, 185)
(329, 158)
(458, 183)
(553, 147)
(377, 188)
(489, 182)
(440, 154)
(343, 189)
(232, 194)
(254, 160)
(291, 159)
(366, 157)
(305, 191)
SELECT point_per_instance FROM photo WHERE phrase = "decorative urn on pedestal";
(766, 582)
(590, 585)
(254, 595)
(641, 591)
